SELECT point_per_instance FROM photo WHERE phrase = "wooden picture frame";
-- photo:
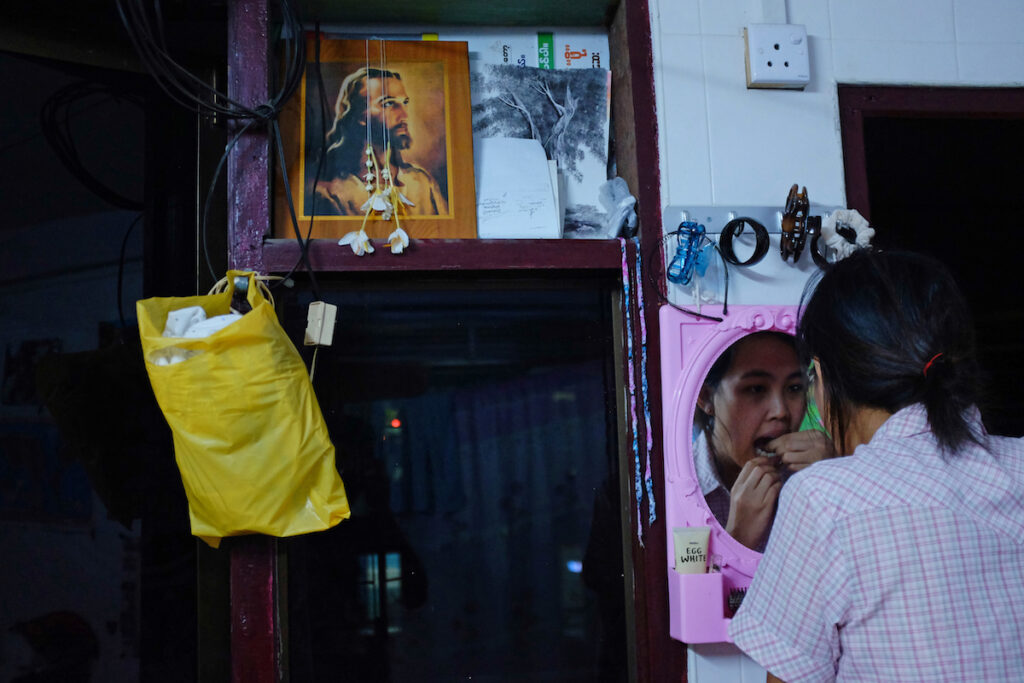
(429, 122)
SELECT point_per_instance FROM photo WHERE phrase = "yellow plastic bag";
(249, 438)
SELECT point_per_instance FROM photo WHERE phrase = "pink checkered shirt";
(895, 564)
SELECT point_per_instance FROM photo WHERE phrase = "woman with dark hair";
(904, 562)
(748, 412)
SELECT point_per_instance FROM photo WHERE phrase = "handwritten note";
(514, 193)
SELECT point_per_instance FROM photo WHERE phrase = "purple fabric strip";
(637, 473)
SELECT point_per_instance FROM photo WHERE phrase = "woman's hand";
(797, 450)
(752, 501)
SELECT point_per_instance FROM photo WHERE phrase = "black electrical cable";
(55, 119)
(146, 32)
(55, 122)
(193, 92)
(142, 40)
(303, 244)
(209, 194)
(120, 267)
(324, 115)
(658, 249)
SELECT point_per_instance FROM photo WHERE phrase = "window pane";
(475, 429)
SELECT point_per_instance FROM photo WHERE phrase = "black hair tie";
(814, 230)
(734, 228)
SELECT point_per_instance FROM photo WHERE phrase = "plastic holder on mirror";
(698, 608)
(689, 347)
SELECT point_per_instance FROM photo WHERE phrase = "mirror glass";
(475, 422)
(752, 397)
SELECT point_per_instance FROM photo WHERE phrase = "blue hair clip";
(703, 259)
(690, 255)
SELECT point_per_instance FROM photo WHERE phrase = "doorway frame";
(860, 102)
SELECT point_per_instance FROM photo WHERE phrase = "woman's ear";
(705, 401)
(819, 388)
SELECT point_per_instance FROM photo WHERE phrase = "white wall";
(723, 145)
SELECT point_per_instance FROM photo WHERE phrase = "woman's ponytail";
(891, 329)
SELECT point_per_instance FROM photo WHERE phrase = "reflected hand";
(752, 501)
(797, 450)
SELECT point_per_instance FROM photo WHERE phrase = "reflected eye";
(797, 388)
(755, 389)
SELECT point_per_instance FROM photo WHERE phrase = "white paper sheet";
(514, 196)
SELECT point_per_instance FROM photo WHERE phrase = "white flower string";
(370, 175)
(384, 197)
(398, 241)
(359, 241)
(394, 199)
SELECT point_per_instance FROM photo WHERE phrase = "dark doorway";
(938, 170)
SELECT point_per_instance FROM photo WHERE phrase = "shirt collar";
(913, 421)
(707, 475)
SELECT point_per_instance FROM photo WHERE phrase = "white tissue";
(182, 319)
(204, 328)
(171, 355)
(619, 206)
(189, 323)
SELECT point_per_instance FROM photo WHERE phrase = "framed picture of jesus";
(379, 135)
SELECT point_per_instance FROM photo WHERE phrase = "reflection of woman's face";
(761, 397)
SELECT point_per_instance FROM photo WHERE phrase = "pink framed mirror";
(700, 608)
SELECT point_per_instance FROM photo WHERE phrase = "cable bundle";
(55, 121)
(146, 31)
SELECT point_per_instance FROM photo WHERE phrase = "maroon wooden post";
(659, 658)
(255, 631)
(249, 163)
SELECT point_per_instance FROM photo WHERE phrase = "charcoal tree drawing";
(566, 110)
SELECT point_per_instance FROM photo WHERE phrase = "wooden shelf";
(463, 12)
(468, 255)
(280, 255)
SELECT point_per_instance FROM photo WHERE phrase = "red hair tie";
(929, 363)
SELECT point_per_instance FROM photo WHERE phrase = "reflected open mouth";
(761, 445)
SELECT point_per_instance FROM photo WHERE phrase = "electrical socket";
(777, 56)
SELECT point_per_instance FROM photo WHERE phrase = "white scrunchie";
(838, 243)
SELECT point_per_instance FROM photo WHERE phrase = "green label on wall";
(545, 50)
